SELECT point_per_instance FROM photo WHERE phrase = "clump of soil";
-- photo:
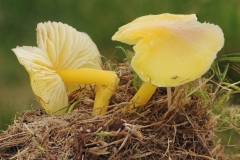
(151, 131)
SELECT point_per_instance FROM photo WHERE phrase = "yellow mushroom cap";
(60, 47)
(171, 50)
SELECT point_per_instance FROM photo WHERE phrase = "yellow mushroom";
(170, 50)
(64, 60)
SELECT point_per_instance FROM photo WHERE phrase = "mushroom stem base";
(142, 96)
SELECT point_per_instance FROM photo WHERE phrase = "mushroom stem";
(143, 95)
(105, 81)
(86, 76)
(103, 95)
(169, 96)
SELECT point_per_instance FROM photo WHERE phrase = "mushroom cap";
(59, 47)
(171, 50)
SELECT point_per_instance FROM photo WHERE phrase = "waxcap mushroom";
(171, 50)
(60, 48)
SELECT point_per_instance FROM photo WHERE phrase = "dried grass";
(152, 131)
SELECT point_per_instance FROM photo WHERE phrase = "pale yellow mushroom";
(64, 60)
(170, 50)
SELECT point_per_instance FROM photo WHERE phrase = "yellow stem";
(103, 95)
(86, 76)
(105, 81)
(143, 95)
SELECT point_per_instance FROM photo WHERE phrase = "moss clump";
(152, 131)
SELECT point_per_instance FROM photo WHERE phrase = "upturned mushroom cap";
(171, 50)
(60, 47)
